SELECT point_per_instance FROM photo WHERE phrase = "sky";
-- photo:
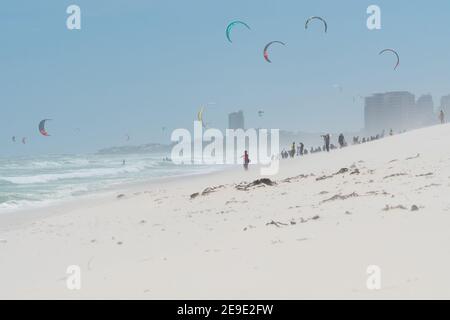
(137, 66)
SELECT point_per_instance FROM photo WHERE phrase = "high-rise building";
(424, 111)
(445, 105)
(391, 110)
(374, 113)
(236, 120)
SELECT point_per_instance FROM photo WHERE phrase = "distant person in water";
(442, 117)
(123, 162)
(391, 133)
(246, 160)
(326, 139)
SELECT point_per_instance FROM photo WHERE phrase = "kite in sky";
(394, 52)
(317, 18)
(232, 25)
(266, 49)
(42, 127)
(200, 116)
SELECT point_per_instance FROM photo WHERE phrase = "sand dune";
(309, 232)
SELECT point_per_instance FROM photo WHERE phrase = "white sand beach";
(312, 234)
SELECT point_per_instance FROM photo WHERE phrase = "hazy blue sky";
(139, 65)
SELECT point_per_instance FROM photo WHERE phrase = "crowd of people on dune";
(300, 150)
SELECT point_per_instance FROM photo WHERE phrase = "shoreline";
(19, 216)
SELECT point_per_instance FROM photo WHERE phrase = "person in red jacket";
(246, 160)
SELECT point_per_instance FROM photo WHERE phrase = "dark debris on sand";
(260, 182)
(276, 224)
(323, 178)
(209, 190)
(425, 174)
(352, 170)
(342, 171)
(195, 195)
(341, 197)
(292, 222)
(206, 191)
(388, 207)
(301, 176)
(415, 157)
(395, 175)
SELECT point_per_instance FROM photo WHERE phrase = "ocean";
(27, 182)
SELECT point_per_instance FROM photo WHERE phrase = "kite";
(394, 52)
(266, 48)
(200, 117)
(231, 26)
(316, 18)
(42, 128)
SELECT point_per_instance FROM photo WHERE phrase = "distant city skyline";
(399, 111)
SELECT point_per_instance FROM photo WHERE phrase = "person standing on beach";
(326, 139)
(442, 117)
(293, 150)
(246, 160)
(341, 140)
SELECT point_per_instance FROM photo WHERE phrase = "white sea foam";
(26, 182)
